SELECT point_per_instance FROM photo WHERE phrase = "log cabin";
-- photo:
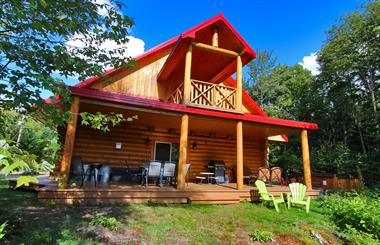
(190, 110)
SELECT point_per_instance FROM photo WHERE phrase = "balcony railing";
(207, 95)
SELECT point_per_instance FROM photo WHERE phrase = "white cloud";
(310, 63)
(133, 48)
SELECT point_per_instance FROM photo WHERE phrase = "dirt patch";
(174, 239)
(107, 236)
(241, 237)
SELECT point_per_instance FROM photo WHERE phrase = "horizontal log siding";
(96, 146)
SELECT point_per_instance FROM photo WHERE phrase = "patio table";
(209, 176)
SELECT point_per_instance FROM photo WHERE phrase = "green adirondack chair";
(268, 197)
(297, 196)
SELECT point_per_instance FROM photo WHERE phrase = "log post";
(266, 153)
(239, 155)
(215, 38)
(216, 50)
(239, 84)
(306, 159)
(187, 76)
(181, 176)
(68, 147)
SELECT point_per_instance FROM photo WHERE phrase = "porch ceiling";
(202, 125)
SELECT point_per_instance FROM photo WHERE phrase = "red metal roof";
(83, 88)
(235, 41)
(224, 74)
(160, 105)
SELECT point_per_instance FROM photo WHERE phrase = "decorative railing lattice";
(207, 94)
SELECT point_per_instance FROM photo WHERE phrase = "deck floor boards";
(124, 193)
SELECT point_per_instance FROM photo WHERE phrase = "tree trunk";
(358, 125)
(344, 132)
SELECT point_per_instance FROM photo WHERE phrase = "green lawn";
(34, 223)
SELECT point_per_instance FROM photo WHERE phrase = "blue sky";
(293, 28)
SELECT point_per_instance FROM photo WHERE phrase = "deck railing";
(207, 95)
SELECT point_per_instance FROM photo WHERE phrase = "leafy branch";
(103, 122)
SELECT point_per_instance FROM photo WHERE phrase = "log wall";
(138, 146)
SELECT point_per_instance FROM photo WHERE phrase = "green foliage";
(41, 237)
(354, 210)
(349, 85)
(2, 229)
(27, 146)
(13, 159)
(109, 222)
(336, 158)
(343, 99)
(261, 236)
(43, 41)
(30, 135)
(101, 121)
(356, 237)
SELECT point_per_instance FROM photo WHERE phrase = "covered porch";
(198, 137)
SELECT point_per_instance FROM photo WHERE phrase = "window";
(166, 151)
(162, 151)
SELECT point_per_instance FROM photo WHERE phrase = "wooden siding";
(141, 82)
(138, 146)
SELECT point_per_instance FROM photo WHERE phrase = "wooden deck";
(192, 194)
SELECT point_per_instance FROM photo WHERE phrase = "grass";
(30, 222)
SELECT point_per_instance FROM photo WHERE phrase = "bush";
(336, 158)
(356, 237)
(357, 211)
(109, 222)
(261, 236)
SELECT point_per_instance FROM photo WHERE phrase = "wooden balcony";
(204, 94)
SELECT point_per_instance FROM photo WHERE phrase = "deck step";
(214, 198)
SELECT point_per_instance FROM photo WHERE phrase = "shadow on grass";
(31, 222)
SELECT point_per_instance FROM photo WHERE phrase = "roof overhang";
(288, 125)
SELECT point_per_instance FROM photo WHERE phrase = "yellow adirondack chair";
(269, 197)
(297, 196)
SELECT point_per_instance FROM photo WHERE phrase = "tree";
(349, 81)
(43, 41)
(258, 72)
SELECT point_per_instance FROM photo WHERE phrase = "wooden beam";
(217, 50)
(69, 141)
(306, 159)
(215, 38)
(239, 84)
(239, 155)
(187, 77)
(181, 177)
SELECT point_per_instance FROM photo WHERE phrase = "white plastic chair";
(154, 171)
(168, 172)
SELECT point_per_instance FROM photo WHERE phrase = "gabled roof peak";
(247, 52)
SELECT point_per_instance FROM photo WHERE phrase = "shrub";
(261, 236)
(356, 237)
(358, 211)
(109, 222)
